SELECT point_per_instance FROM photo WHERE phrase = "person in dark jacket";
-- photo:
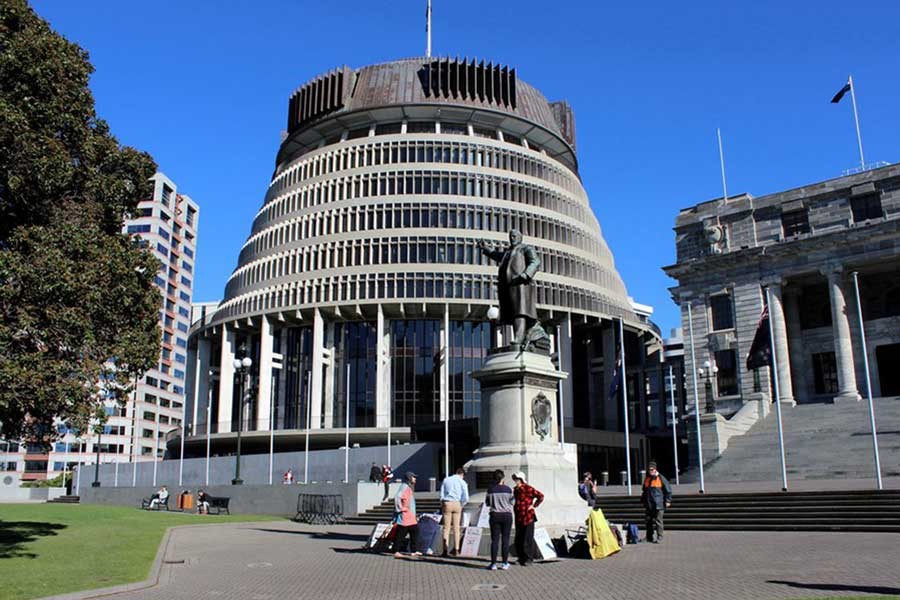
(656, 497)
(500, 501)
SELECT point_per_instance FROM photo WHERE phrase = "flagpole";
(347, 421)
(208, 424)
(428, 29)
(722, 163)
(272, 431)
(696, 398)
(445, 387)
(559, 384)
(308, 420)
(625, 403)
(784, 485)
(862, 331)
(862, 160)
(674, 422)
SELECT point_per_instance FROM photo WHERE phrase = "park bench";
(218, 504)
(320, 508)
(147, 503)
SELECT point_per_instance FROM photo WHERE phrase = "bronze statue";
(517, 290)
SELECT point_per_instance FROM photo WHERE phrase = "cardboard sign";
(484, 517)
(471, 541)
(465, 520)
(544, 543)
(379, 530)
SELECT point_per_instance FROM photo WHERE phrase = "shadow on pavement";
(15, 534)
(318, 535)
(838, 587)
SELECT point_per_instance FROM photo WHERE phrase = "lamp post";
(242, 368)
(96, 482)
(708, 373)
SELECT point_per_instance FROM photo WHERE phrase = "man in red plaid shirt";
(526, 500)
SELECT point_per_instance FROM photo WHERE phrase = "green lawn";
(50, 549)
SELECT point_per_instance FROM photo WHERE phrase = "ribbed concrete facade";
(363, 253)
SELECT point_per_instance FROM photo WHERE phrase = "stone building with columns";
(361, 295)
(806, 245)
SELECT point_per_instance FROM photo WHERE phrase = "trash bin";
(187, 500)
(604, 478)
(432, 484)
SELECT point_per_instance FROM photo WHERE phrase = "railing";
(865, 167)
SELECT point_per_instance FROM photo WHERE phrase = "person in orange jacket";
(656, 497)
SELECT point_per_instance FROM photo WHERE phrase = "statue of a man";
(517, 291)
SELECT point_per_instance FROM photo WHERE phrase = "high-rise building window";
(166, 195)
(866, 206)
(722, 312)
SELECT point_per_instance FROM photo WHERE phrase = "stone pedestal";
(519, 432)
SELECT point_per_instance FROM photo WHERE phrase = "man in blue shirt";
(454, 496)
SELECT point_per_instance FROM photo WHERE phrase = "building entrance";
(888, 358)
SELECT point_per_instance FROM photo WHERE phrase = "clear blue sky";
(203, 86)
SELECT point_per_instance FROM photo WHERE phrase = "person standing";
(500, 501)
(587, 489)
(386, 476)
(405, 516)
(375, 475)
(656, 497)
(527, 499)
(454, 496)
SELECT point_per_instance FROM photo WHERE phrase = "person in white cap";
(527, 499)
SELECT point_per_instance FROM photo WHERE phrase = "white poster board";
(465, 520)
(484, 517)
(379, 530)
(544, 544)
(471, 541)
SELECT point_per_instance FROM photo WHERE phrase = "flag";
(427, 16)
(840, 94)
(760, 354)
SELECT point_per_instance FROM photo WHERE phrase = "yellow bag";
(601, 540)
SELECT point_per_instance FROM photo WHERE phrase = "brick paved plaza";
(259, 561)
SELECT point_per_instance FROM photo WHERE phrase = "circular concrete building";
(361, 284)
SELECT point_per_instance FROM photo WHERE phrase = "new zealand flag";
(761, 349)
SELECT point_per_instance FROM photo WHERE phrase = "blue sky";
(203, 86)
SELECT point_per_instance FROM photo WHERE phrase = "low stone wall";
(23, 494)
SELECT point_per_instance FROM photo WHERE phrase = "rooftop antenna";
(428, 29)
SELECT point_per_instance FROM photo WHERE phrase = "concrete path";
(260, 561)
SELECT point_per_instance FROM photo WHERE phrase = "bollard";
(623, 477)
(604, 477)
(432, 484)
(643, 474)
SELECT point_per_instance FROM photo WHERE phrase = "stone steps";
(822, 441)
(65, 500)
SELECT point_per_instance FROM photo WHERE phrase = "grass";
(48, 549)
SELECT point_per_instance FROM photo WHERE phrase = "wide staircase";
(384, 512)
(777, 511)
(65, 500)
(822, 441)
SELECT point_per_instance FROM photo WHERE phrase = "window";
(145, 212)
(35, 466)
(138, 229)
(722, 312)
(726, 378)
(148, 416)
(795, 222)
(188, 252)
(358, 133)
(420, 127)
(485, 133)
(185, 281)
(179, 374)
(825, 373)
(387, 128)
(162, 249)
(865, 207)
(183, 312)
(191, 215)
(166, 194)
(454, 128)
(147, 433)
(181, 342)
(181, 326)
(164, 234)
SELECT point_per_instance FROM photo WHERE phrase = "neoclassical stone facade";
(804, 245)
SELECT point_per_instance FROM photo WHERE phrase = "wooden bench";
(147, 503)
(218, 504)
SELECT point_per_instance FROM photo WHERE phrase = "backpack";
(631, 533)
(582, 491)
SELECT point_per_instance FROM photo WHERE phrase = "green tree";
(75, 292)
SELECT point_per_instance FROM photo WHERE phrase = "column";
(795, 342)
(264, 396)
(201, 387)
(843, 345)
(565, 349)
(332, 367)
(780, 344)
(318, 364)
(382, 371)
(226, 381)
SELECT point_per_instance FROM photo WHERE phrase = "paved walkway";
(259, 561)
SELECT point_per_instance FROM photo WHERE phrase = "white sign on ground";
(544, 543)
(471, 541)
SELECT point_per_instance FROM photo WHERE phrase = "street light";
(96, 482)
(708, 373)
(242, 368)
